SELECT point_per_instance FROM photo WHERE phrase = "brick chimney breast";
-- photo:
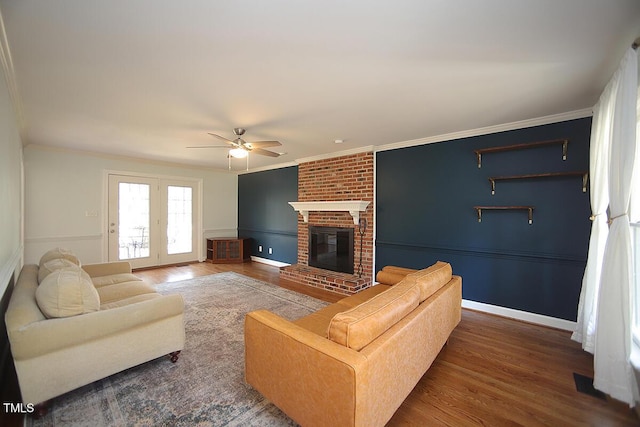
(347, 177)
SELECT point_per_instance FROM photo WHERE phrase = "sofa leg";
(41, 409)
(174, 356)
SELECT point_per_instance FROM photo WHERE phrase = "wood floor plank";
(495, 371)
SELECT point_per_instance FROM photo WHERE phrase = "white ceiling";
(146, 78)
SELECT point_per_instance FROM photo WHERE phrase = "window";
(634, 218)
(635, 243)
(179, 219)
(153, 220)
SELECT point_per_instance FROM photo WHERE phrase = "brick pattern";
(340, 178)
(341, 283)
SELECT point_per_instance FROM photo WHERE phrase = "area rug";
(206, 386)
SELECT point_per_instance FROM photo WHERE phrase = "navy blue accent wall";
(425, 199)
(265, 215)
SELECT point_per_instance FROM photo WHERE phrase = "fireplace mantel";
(354, 207)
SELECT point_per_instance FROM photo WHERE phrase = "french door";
(152, 221)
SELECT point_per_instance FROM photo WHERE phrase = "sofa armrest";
(391, 275)
(107, 268)
(300, 371)
(46, 336)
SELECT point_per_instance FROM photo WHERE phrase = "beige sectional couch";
(354, 362)
(69, 326)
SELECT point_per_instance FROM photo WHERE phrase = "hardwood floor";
(494, 371)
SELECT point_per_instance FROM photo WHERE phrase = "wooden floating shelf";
(479, 210)
(584, 174)
(564, 142)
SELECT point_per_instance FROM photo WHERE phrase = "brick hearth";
(339, 178)
(342, 283)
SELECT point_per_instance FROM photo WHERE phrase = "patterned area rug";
(206, 386)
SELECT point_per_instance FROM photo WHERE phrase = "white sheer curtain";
(612, 368)
(604, 316)
(599, 192)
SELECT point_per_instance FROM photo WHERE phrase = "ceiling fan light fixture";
(238, 153)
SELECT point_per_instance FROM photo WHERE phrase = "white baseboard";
(538, 319)
(269, 261)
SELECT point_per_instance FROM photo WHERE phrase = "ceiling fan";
(239, 148)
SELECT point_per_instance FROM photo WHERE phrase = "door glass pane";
(179, 220)
(133, 220)
(635, 242)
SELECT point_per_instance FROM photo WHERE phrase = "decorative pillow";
(58, 253)
(388, 277)
(398, 270)
(357, 327)
(431, 279)
(52, 265)
(67, 292)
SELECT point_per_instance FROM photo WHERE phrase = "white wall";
(62, 185)
(10, 189)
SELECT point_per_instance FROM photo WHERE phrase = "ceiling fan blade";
(209, 146)
(221, 137)
(263, 144)
(264, 152)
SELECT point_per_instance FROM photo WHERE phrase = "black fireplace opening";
(331, 248)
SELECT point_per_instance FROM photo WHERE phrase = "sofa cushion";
(129, 301)
(362, 296)
(391, 274)
(114, 279)
(318, 321)
(52, 265)
(398, 270)
(120, 291)
(430, 279)
(389, 277)
(67, 292)
(357, 327)
(58, 253)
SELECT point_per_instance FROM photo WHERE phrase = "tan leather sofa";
(70, 326)
(354, 362)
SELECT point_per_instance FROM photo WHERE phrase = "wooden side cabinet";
(228, 250)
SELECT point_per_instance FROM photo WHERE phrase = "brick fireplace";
(344, 178)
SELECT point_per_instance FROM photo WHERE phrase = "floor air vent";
(585, 385)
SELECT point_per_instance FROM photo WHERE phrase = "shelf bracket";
(565, 146)
(479, 157)
(529, 210)
(585, 177)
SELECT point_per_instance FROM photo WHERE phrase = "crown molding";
(538, 121)
(521, 124)
(296, 162)
(109, 156)
(268, 168)
(357, 150)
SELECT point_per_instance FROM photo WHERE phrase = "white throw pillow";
(55, 264)
(58, 253)
(67, 292)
